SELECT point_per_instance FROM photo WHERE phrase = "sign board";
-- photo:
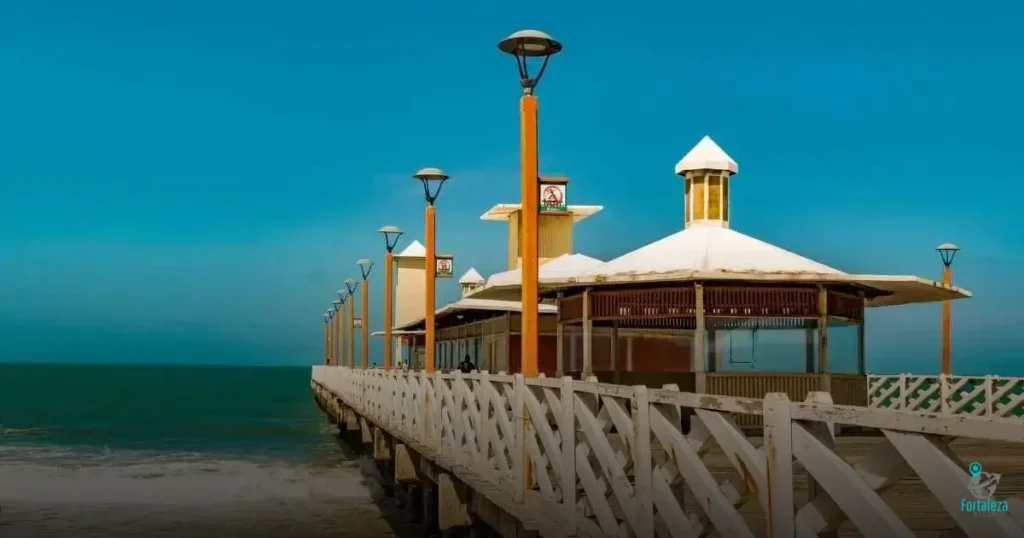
(357, 323)
(444, 266)
(552, 196)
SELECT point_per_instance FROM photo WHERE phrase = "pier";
(705, 384)
(564, 457)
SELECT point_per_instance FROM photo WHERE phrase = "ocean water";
(112, 451)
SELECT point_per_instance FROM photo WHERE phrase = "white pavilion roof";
(414, 250)
(710, 248)
(479, 304)
(562, 266)
(472, 277)
(706, 155)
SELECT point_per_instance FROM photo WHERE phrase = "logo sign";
(357, 323)
(552, 198)
(982, 487)
(444, 266)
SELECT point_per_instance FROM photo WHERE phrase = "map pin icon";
(974, 468)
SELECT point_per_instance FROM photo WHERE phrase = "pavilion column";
(861, 364)
(506, 350)
(825, 382)
(574, 349)
(809, 346)
(559, 341)
(714, 359)
(629, 353)
(698, 356)
(588, 338)
(615, 352)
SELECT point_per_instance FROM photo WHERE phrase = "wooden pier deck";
(636, 473)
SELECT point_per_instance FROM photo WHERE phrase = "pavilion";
(711, 289)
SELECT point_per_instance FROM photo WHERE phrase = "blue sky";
(191, 181)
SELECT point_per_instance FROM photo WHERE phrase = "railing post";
(944, 392)
(989, 391)
(519, 456)
(643, 486)
(567, 469)
(903, 392)
(778, 442)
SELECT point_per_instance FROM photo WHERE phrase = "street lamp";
(365, 266)
(946, 252)
(525, 45)
(351, 285)
(430, 177)
(391, 235)
(339, 323)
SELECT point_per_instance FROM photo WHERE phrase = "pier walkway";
(562, 457)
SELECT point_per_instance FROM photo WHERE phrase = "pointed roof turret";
(414, 250)
(472, 277)
(706, 155)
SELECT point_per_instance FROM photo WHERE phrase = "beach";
(246, 453)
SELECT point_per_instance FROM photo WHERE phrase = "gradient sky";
(190, 181)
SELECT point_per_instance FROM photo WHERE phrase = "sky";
(191, 181)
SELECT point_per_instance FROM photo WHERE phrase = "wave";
(54, 475)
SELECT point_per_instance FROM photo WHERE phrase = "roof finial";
(706, 155)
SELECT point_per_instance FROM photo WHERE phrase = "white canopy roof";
(472, 277)
(706, 155)
(562, 266)
(414, 250)
(480, 304)
(710, 248)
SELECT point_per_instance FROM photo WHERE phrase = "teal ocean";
(176, 451)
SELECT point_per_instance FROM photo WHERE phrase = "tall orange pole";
(351, 336)
(431, 268)
(336, 349)
(365, 335)
(327, 343)
(388, 314)
(530, 203)
(947, 324)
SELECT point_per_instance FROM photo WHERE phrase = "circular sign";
(552, 196)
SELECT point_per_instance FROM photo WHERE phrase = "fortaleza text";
(986, 505)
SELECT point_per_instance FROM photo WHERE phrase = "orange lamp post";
(365, 266)
(351, 285)
(947, 251)
(327, 337)
(391, 235)
(525, 45)
(433, 179)
(339, 324)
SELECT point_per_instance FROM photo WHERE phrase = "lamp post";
(339, 323)
(430, 177)
(327, 337)
(525, 45)
(351, 285)
(365, 266)
(946, 252)
(391, 235)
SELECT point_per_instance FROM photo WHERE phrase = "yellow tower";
(708, 170)
(555, 224)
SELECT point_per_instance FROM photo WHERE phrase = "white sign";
(444, 267)
(552, 198)
(357, 323)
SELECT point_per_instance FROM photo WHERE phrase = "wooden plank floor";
(910, 499)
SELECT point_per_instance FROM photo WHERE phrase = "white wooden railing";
(989, 396)
(611, 460)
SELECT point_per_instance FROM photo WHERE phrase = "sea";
(192, 451)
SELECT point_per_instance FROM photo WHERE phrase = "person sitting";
(466, 366)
